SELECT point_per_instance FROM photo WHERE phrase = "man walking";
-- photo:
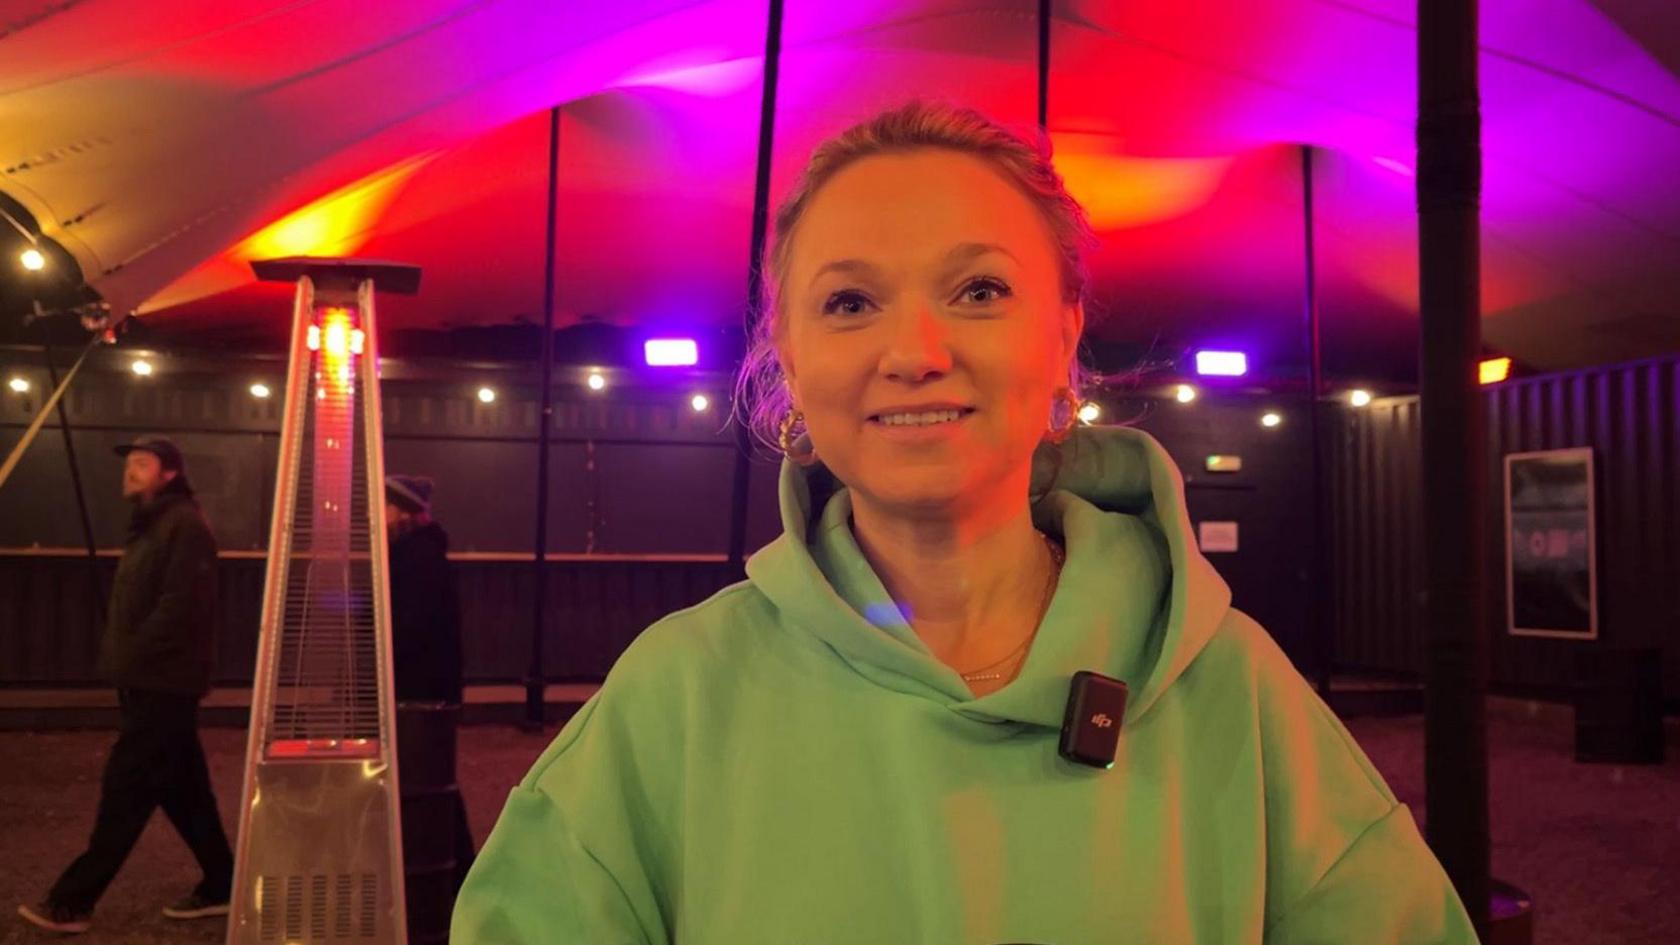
(158, 650)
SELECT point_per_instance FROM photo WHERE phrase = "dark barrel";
(1618, 706)
(426, 734)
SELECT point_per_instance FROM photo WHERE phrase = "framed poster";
(1217, 537)
(1551, 545)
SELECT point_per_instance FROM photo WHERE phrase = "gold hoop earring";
(788, 439)
(1069, 401)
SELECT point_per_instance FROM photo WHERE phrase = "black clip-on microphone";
(1091, 725)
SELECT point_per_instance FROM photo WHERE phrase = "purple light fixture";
(1221, 363)
(671, 352)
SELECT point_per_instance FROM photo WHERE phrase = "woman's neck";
(973, 585)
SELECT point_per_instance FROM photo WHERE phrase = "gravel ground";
(1597, 846)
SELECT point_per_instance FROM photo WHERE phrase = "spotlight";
(142, 367)
(597, 381)
(33, 260)
(671, 352)
(260, 390)
(1089, 413)
(1360, 398)
(1185, 394)
(1495, 370)
(1221, 363)
(1271, 420)
(18, 385)
(486, 395)
(699, 402)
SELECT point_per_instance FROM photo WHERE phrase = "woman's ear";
(784, 360)
(1073, 329)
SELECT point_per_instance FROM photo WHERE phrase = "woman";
(860, 743)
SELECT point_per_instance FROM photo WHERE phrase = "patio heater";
(319, 855)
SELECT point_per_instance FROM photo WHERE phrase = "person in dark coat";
(425, 614)
(425, 618)
(158, 649)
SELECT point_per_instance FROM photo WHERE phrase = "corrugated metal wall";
(49, 633)
(1629, 415)
(635, 472)
(639, 490)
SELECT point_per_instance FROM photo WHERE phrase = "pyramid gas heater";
(320, 849)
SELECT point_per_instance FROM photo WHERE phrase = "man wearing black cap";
(158, 650)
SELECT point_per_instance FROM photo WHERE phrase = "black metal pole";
(1318, 582)
(97, 591)
(535, 682)
(755, 272)
(1454, 485)
(1043, 65)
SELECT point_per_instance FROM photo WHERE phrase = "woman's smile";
(920, 424)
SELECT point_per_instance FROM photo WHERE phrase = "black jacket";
(160, 632)
(425, 617)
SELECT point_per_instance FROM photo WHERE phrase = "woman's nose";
(918, 344)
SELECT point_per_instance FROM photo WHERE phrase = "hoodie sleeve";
(1387, 888)
(574, 857)
(1344, 859)
(536, 881)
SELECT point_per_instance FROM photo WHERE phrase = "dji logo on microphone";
(1101, 720)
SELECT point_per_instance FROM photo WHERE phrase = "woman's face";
(923, 332)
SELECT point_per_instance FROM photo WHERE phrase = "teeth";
(919, 419)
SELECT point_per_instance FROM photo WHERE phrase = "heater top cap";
(338, 272)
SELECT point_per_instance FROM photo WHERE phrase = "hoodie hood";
(1136, 599)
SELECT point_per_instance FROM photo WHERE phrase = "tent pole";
(1044, 65)
(1454, 483)
(755, 275)
(1318, 599)
(535, 682)
(81, 494)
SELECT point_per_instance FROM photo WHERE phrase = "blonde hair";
(761, 394)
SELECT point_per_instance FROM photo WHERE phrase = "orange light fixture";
(1495, 370)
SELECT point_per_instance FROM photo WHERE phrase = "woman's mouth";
(920, 419)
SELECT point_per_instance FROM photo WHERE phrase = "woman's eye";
(985, 290)
(846, 303)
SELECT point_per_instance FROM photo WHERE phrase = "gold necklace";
(995, 670)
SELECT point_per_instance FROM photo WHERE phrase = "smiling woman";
(864, 742)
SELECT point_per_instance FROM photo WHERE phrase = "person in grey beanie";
(425, 617)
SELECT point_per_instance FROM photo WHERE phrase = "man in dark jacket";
(425, 618)
(158, 649)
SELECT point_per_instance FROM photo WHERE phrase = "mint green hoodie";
(786, 763)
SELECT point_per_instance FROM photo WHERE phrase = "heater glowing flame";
(337, 337)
